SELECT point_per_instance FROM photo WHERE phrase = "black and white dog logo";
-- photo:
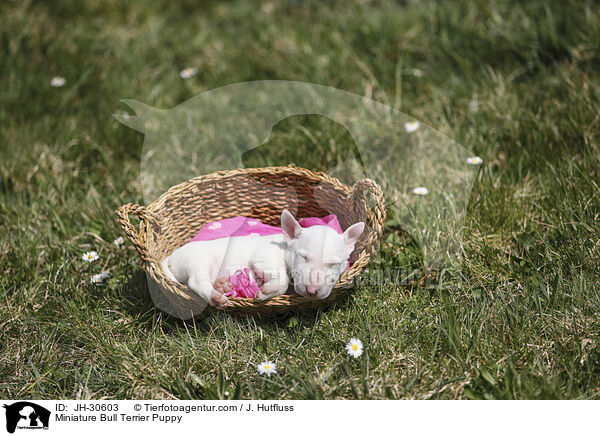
(26, 415)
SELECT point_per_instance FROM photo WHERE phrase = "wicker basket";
(261, 193)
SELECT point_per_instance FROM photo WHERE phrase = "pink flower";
(243, 285)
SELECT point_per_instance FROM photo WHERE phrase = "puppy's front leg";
(200, 283)
(274, 282)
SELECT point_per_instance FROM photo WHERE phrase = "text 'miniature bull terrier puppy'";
(313, 257)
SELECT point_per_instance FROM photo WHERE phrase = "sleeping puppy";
(313, 257)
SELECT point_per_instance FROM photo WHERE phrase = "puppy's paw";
(261, 296)
(218, 300)
(264, 293)
(223, 285)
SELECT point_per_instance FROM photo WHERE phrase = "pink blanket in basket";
(242, 226)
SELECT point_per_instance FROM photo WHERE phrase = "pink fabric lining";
(329, 220)
(242, 226)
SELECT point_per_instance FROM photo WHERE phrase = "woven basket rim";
(318, 175)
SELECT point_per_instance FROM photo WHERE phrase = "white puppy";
(313, 257)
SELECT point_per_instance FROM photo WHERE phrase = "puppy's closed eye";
(304, 256)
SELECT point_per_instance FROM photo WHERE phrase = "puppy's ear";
(352, 234)
(289, 225)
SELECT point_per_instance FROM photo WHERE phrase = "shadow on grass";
(139, 305)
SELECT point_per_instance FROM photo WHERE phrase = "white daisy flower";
(474, 160)
(96, 279)
(58, 82)
(267, 368)
(90, 256)
(99, 278)
(354, 347)
(420, 191)
(119, 241)
(188, 73)
(412, 126)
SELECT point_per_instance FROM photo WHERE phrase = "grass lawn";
(517, 83)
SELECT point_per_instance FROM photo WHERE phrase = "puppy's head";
(318, 255)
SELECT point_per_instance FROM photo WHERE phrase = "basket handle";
(133, 234)
(376, 215)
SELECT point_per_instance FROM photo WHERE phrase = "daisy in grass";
(412, 126)
(58, 82)
(354, 347)
(420, 191)
(97, 279)
(188, 73)
(267, 368)
(90, 256)
(119, 241)
(474, 160)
